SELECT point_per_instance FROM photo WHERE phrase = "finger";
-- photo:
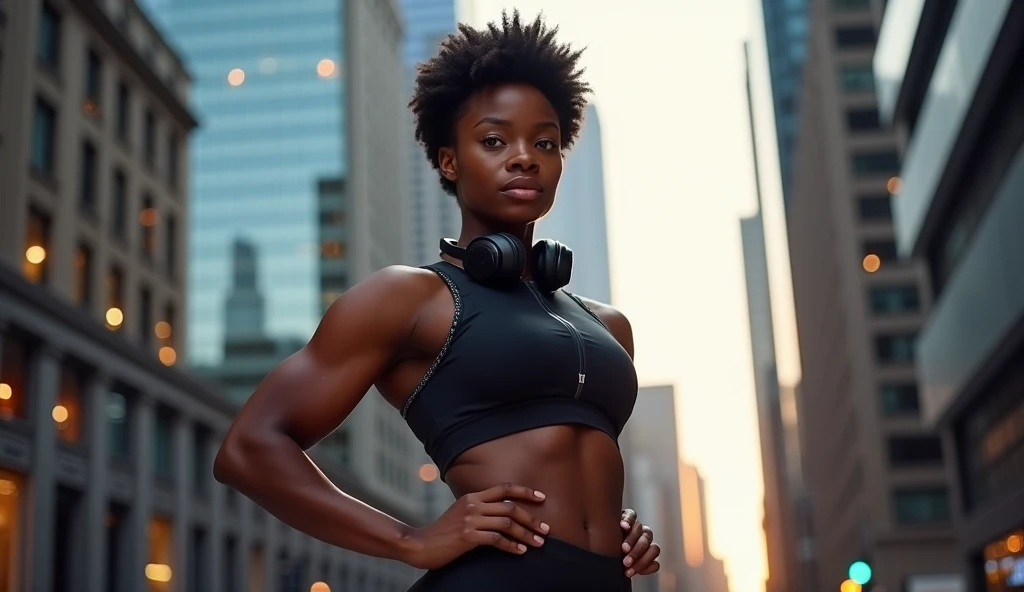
(632, 537)
(628, 519)
(515, 512)
(509, 491)
(638, 550)
(496, 539)
(651, 555)
(509, 527)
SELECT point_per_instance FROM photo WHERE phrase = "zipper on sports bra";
(581, 353)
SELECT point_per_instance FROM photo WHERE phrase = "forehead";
(518, 103)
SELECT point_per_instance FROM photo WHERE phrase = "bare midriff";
(578, 469)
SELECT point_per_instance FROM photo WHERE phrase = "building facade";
(877, 475)
(785, 32)
(949, 79)
(302, 154)
(107, 451)
(578, 218)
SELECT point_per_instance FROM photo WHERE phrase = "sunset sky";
(668, 81)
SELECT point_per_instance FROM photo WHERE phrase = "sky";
(668, 80)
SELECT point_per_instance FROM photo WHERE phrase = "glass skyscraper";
(785, 28)
(269, 92)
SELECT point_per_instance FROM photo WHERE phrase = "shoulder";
(617, 323)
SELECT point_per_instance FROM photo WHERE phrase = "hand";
(488, 517)
(641, 550)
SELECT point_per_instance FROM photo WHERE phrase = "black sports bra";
(517, 359)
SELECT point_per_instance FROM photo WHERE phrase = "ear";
(448, 164)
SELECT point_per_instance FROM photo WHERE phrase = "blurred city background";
(812, 211)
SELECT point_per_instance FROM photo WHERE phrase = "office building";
(949, 79)
(432, 213)
(302, 154)
(785, 32)
(877, 475)
(107, 451)
(578, 218)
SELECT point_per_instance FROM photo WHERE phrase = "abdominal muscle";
(578, 469)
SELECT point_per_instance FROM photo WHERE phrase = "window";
(845, 5)
(884, 162)
(36, 265)
(894, 299)
(67, 412)
(172, 160)
(12, 529)
(885, 249)
(895, 349)
(874, 208)
(48, 43)
(147, 217)
(93, 83)
(83, 275)
(899, 399)
(15, 365)
(44, 138)
(858, 78)
(115, 298)
(119, 205)
(862, 120)
(916, 507)
(171, 245)
(118, 442)
(161, 541)
(855, 37)
(914, 451)
(145, 314)
(123, 111)
(201, 465)
(163, 442)
(116, 539)
(149, 139)
(87, 189)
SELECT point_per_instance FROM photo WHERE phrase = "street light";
(850, 586)
(860, 572)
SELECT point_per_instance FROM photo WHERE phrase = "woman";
(517, 389)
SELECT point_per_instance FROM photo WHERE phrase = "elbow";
(234, 460)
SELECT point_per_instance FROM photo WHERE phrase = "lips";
(523, 188)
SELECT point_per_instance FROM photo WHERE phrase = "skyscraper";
(785, 28)
(877, 475)
(949, 78)
(578, 218)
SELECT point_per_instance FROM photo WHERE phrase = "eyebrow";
(505, 122)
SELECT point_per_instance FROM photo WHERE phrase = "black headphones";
(501, 258)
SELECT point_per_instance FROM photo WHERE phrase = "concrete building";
(578, 218)
(877, 476)
(303, 152)
(949, 79)
(785, 32)
(107, 451)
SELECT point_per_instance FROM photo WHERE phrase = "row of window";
(44, 137)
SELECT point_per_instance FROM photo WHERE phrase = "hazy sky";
(669, 87)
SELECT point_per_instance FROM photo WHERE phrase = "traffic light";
(860, 572)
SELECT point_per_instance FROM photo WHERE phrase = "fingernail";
(539, 540)
(539, 495)
(522, 548)
(624, 524)
(544, 526)
(629, 573)
(625, 547)
(628, 561)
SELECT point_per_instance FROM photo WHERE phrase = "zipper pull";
(583, 378)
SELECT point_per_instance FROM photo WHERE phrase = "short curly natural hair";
(472, 59)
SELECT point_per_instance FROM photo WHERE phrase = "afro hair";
(471, 60)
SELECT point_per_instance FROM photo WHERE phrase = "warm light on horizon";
(693, 526)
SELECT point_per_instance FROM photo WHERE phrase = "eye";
(492, 141)
(547, 145)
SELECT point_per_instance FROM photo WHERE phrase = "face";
(507, 160)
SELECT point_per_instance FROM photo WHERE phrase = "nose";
(522, 160)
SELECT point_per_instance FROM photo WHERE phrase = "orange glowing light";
(6, 392)
(325, 68)
(893, 185)
(158, 572)
(236, 77)
(35, 254)
(60, 413)
(872, 263)
(1015, 543)
(162, 329)
(319, 587)
(429, 473)
(147, 217)
(849, 586)
(168, 356)
(114, 316)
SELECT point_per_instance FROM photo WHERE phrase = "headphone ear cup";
(552, 264)
(495, 258)
(513, 256)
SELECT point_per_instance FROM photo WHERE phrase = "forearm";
(275, 473)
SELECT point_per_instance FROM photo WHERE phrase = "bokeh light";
(236, 77)
(872, 263)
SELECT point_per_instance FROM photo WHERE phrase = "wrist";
(409, 547)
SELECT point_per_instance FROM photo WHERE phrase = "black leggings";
(557, 566)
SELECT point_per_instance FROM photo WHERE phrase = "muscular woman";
(517, 389)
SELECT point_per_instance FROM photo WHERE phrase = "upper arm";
(617, 323)
(311, 393)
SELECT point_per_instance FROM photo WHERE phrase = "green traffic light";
(860, 572)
